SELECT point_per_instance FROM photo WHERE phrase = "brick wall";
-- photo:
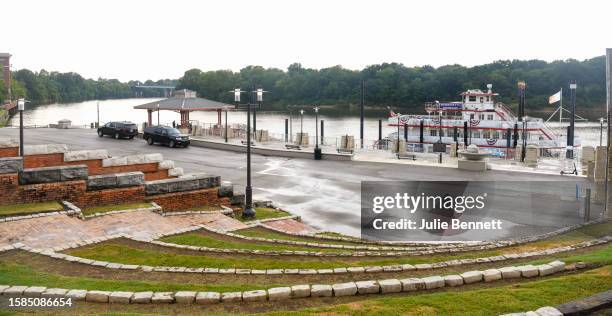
(111, 196)
(39, 161)
(8, 188)
(9, 152)
(180, 201)
(55, 191)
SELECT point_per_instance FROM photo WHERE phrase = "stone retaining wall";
(52, 174)
(301, 291)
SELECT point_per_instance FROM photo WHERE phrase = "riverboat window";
(472, 98)
(486, 134)
(433, 132)
(490, 117)
(476, 134)
(495, 135)
(481, 99)
(471, 116)
(482, 117)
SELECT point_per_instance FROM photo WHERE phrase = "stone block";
(548, 311)
(142, 297)
(54, 292)
(545, 269)
(72, 173)
(208, 298)
(162, 298)
(120, 297)
(97, 296)
(279, 293)
(226, 189)
(148, 158)
(412, 284)
(129, 179)
(176, 172)
(39, 175)
(471, 277)
(135, 159)
(77, 295)
(344, 289)
(254, 296)
(453, 280)
(34, 291)
(185, 297)
(557, 265)
(8, 143)
(15, 290)
(321, 290)
(528, 271)
(229, 297)
(166, 165)
(510, 272)
(101, 182)
(390, 286)
(433, 282)
(491, 275)
(114, 162)
(11, 165)
(302, 290)
(472, 165)
(367, 287)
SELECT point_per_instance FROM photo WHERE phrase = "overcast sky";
(155, 39)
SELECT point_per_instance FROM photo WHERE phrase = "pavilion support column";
(219, 117)
(150, 117)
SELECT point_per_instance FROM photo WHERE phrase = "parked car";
(165, 135)
(118, 129)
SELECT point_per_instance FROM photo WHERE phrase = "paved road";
(325, 193)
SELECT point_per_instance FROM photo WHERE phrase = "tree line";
(406, 88)
(388, 84)
(45, 87)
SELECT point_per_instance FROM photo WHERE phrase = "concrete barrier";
(278, 152)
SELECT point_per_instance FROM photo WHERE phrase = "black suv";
(165, 135)
(118, 129)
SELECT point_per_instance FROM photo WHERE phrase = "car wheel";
(150, 141)
(116, 135)
(172, 144)
(100, 133)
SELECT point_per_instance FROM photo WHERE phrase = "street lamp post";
(21, 107)
(570, 135)
(398, 133)
(98, 110)
(601, 121)
(317, 150)
(157, 114)
(248, 211)
(301, 126)
(225, 108)
(524, 143)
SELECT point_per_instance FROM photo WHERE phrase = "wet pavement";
(326, 194)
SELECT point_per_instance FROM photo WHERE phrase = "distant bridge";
(166, 89)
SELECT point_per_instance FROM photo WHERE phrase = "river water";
(336, 124)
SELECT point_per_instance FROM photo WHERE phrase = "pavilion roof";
(185, 104)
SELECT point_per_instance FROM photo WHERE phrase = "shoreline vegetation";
(403, 88)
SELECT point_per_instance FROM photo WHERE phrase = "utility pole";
(361, 114)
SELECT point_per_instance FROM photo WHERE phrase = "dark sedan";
(165, 135)
(118, 130)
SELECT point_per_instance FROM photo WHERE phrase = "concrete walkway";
(53, 231)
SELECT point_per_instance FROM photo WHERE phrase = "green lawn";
(17, 274)
(110, 208)
(29, 208)
(195, 239)
(519, 297)
(261, 232)
(264, 213)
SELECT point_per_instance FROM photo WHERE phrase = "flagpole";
(561, 106)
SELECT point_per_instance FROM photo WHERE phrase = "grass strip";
(263, 213)
(111, 208)
(199, 240)
(16, 274)
(30, 208)
(518, 297)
